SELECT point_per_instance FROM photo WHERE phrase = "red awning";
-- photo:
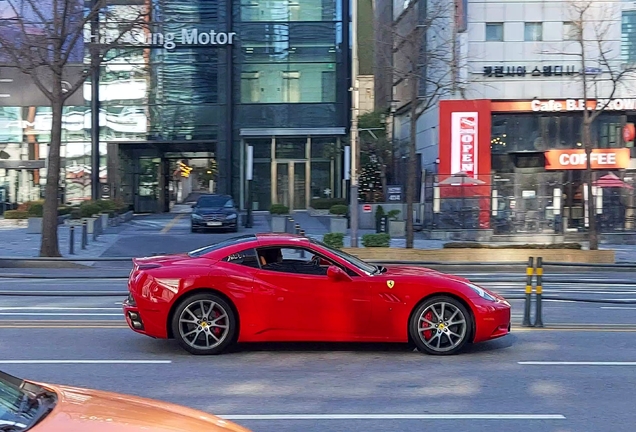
(611, 181)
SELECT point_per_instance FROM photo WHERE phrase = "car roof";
(270, 238)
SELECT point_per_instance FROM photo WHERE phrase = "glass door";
(291, 184)
(300, 185)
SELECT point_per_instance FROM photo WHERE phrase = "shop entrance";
(154, 181)
(291, 187)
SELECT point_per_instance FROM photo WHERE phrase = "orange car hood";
(82, 410)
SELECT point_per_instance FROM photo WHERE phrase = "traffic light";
(184, 169)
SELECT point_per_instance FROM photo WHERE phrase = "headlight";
(482, 293)
(231, 216)
(196, 216)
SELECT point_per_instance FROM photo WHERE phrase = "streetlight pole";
(355, 149)
(95, 106)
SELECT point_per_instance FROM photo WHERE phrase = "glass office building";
(210, 78)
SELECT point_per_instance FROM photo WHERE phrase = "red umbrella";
(611, 181)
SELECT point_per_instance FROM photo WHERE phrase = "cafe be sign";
(554, 105)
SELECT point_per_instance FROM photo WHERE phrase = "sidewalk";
(17, 243)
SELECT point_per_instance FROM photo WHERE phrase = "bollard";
(302, 232)
(526, 312)
(71, 240)
(84, 235)
(538, 319)
(94, 230)
(297, 228)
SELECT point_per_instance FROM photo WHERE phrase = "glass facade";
(286, 68)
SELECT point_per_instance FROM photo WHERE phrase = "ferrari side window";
(293, 260)
(246, 257)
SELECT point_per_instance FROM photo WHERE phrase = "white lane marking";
(56, 314)
(394, 417)
(55, 308)
(85, 361)
(618, 307)
(573, 363)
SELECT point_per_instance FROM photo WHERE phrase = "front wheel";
(204, 324)
(441, 326)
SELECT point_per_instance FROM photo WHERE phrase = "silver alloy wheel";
(204, 324)
(446, 324)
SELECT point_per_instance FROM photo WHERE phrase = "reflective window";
(533, 31)
(494, 32)
(294, 42)
(288, 83)
(288, 10)
(628, 36)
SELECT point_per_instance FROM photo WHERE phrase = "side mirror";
(194, 205)
(337, 274)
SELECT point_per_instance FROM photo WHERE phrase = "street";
(330, 380)
(567, 377)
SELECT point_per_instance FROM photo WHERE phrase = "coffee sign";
(576, 159)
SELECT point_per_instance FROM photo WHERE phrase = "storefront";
(209, 80)
(526, 164)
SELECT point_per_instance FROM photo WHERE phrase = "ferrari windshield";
(214, 201)
(355, 261)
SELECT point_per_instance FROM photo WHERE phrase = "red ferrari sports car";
(281, 287)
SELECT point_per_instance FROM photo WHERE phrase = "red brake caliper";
(427, 333)
(215, 330)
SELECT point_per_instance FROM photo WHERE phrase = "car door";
(309, 305)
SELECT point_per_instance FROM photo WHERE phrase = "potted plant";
(397, 228)
(338, 223)
(279, 219)
(35, 210)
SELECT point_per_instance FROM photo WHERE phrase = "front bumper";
(203, 224)
(492, 320)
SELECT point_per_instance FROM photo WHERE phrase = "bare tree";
(602, 75)
(45, 39)
(425, 64)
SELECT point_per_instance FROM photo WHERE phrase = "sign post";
(249, 172)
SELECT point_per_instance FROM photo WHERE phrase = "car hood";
(82, 410)
(414, 271)
(213, 210)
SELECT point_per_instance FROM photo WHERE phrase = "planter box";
(484, 255)
(338, 225)
(397, 228)
(104, 217)
(90, 224)
(34, 225)
(279, 223)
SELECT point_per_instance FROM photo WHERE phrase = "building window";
(494, 32)
(250, 87)
(570, 31)
(288, 10)
(289, 83)
(533, 32)
(628, 37)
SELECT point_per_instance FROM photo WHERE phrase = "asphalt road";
(369, 380)
(275, 387)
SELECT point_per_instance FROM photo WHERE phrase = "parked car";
(38, 407)
(283, 287)
(213, 211)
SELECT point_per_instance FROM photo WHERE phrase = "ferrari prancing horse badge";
(390, 284)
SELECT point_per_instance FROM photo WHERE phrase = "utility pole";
(355, 148)
(95, 106)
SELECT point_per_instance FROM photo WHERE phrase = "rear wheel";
(441, 326)
(204, 324)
